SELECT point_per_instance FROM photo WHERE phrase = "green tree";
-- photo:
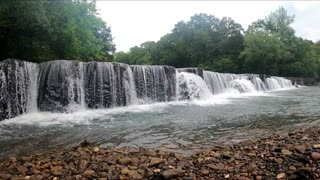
(45, 30)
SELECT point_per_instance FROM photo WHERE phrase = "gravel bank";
(292, 156)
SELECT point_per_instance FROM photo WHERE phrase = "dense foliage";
(44, 30)
(269, 46)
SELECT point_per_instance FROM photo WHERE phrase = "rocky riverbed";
(292, 156)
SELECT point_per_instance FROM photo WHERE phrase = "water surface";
(226, 118)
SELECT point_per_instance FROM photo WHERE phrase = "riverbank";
(292, 156)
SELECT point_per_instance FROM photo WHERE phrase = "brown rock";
(316, 146)
(300, 148)
(155, 161)
(315, 155)
(150, 153)
(216, 166)
(156, 170)
(83, 164)
(278, 160)
(281, 176)
(125, 161)
(172, 173)
(205, 172)
(22, 169)
(27, 177)
(286, 152)
(88, 173)
(252, 154)
(258, 177)
(56, 170)
(135, 161)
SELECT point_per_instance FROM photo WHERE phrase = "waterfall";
(155, 83)
(274, 83)
(218, 82)
(18, 88)
(64, 86)
(108, 85)
(191, 87)
(60, 86)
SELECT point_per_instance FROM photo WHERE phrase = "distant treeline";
(44, 30)
(268, 46)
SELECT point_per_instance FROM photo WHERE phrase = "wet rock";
(172, 173)
(155, 161)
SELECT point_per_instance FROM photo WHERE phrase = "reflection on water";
(223, 119)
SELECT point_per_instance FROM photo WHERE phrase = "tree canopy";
(44, 30)
(268, 46)
(39, 31)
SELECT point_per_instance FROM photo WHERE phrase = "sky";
(135, 22)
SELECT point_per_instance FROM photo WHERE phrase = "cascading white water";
(63, 86)
(243, 86)
(274, 83)
(18, 88)
(218, 82)
(155, 83)
(192, 87)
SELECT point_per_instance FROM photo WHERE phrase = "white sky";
(135, 22)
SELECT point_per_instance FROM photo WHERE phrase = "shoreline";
(295, 155)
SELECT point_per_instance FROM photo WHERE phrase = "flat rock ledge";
(292, 156)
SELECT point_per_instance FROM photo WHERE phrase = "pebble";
(281, 176)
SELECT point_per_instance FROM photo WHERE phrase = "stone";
(205, 172)
(27, 177)
(135, 175)
(216, 166)
(172, 173)
(278, 160)
(258, 177)
(227, 176)
(155, 161)
(22, 169)
(315, 155)
(135, 161)
(150, 153)
(292, 168)
(252, 154)
(286, 152)
(156, 170)
(281, 176)
(300, 148)
(88, 173)
(316, 146)
(83, 164)
(96, 149)
(56, 170)
(125, 161)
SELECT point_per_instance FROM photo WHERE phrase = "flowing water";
(151, 106)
